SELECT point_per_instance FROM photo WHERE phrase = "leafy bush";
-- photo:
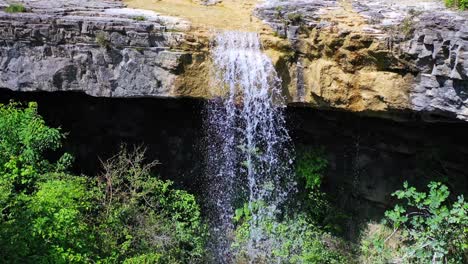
(142, 214)
(58, 212)
(295, 19)
(15, 8)
(24, 138)
(39, 219)
(434, 229)
(311, 166)
(48, 216)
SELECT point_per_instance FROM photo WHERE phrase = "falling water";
(248, 151)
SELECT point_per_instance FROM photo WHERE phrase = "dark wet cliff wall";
(369, 157)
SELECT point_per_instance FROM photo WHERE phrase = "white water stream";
(248, 151)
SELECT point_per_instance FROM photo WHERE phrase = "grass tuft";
(15, 8)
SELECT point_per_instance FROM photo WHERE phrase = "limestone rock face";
(374, 55)
(97, 47)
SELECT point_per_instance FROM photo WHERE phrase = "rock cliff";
(95, 46)
(374, 55)
(370, 56)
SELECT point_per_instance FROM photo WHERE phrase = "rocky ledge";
(370, 56)
(97, 47)
(374, 55)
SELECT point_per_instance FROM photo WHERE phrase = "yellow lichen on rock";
(343, 67)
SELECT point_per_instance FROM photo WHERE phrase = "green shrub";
(311, 165)
(48, 216)
(291, 240)
(144, 259)
(102, 40)
(380, 244)
(460, 4)
(24, 139)
(58, 212)
(295, 18)
(143, 215)
(15, 8)
(39, 219)
(435, 230)
(139, 18)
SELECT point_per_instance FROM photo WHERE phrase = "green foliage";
(310, 166)
(292, 240)
(102, 40)
(380, 244)
(15, 8)
(145, 259)
(142, 214)
(24, 139)
(48, 216)
(50, 225)
(58, 212)
(435, 230)
(295, 18)
(40, 217)
(460, 4)
(139, 18)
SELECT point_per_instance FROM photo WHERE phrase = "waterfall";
(248, 154)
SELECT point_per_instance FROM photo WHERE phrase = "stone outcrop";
(374, 55)
(97, 47)
(370, 56)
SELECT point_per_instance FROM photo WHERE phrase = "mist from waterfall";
(248, 152)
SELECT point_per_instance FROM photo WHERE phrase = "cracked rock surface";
(97, 47)
(372, 56)
(375, 55)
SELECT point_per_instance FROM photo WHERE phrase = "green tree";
(24, 139)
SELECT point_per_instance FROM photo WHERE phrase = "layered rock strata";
(97, 47)
(373, 55)
(370, 56)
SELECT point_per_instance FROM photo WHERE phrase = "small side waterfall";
(248, 152)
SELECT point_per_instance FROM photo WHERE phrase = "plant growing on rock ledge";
(139, 18)
(102, 40)
(15, 8)
(295, 18)
(460, 4)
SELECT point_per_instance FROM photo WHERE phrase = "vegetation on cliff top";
(15, 8)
